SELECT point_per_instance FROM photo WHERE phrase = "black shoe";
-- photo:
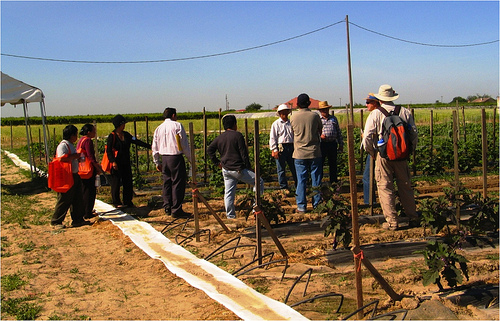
(168, 210)
(82, 223)
(413, 223)
(88, 217)
(181, 214)
(130, 205)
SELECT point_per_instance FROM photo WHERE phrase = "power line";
(176, 59)
(245, 49)
(422, 43)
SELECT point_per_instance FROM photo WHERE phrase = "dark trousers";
(89, 193)
(174, 181)
(122, 176)
(71, 200)
(329, 150)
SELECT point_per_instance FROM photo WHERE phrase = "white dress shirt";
(170, 139)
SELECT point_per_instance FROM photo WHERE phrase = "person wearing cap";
(331, 139)
(233, 160)
(385, 170)
(371, 104)
(169, 145)
(306, 126)
(121, 171)
(281, 145)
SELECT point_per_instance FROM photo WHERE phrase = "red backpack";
(395, 143)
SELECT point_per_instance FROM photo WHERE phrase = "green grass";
(21, 308)
(11, 282)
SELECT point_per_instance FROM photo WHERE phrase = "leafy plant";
(271, 205)
(442, 259)
(435, 213)
(339, 215)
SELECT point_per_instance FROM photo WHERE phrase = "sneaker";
(168, 211)
(389, 227)
(299, 211)
(82, 223)
(232, 217)
(57, 226)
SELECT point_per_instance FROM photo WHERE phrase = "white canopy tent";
(16, 92)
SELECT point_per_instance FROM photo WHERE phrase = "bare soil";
(95, 272)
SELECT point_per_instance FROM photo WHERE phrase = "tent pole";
(25, 107)
(44, 126)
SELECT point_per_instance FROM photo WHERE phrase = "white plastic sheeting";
(221, 286)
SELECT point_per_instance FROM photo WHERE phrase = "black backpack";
(395, 143)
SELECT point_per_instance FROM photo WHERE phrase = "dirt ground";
(95, 272)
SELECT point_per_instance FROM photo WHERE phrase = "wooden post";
(354, 207)
(55, 140)
(258, 231)
(361, 150)
(455, 156)
(350, 75)
(246, 132)
(205, 130)
(485, 152)
(495, 111)
(147, 141)
(380, 279)
(11, 137)
(463, 122)
(40, 144)
(431, 134)
(415, 151)
(136, 149)
(193, 180)
(220, 121)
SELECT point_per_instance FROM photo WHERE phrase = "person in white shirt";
(281, 145)
(169, 145)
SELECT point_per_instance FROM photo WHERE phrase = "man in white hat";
(281, 145)
(386, 170)
(331, 140)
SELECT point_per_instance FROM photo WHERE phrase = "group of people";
(303, 142)
(80, 198)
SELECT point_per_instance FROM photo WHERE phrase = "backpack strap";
(383, 110)
(397, 110)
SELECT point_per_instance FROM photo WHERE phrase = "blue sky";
(316, 63)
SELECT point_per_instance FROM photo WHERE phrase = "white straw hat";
(386, 93)
(283, 107)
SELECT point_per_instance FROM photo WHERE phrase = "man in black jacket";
(233, 161)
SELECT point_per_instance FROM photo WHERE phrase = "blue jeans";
(231, 179)
(284, 158)
(303, 168)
